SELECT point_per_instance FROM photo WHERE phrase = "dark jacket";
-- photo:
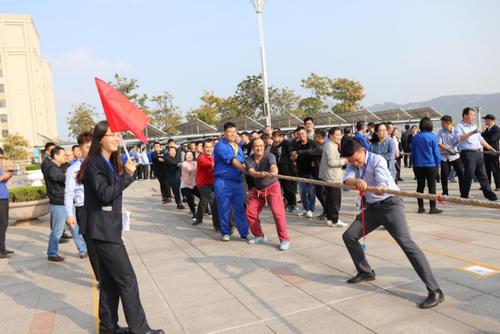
(158, 166)
(492, 136)
(171, 166)
(45, 164)
(103, 201)
(282, 154)
(309, 155)
(55, 179)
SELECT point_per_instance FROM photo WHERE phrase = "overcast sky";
(401, 51)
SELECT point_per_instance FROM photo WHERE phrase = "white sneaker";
(340, 223)
(301, 213)
(309, 214)
(329, 223)
(257, 240)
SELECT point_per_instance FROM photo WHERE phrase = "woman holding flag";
(104, 179)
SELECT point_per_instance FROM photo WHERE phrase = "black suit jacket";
(103, 201)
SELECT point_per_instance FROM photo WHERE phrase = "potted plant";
(34, 174)
(28, 203)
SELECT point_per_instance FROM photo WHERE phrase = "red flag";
(122, 115)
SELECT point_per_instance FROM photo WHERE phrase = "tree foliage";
(81, 119)
(346, 94)
(16, 147)
(165, 115)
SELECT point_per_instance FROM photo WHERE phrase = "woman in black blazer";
(104, 179)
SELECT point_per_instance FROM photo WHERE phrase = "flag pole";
(125, 148)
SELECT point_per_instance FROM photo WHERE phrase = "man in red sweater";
(205, 184)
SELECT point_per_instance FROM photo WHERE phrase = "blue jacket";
(363, 141)
(425, 150)
(223, 156)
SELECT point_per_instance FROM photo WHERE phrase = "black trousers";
(289, 192)
(332, 202)
(473, 162)
(81, 219)
(321, 196)
(424, 174)
(118, 282)
(174, 182)
(164, 186)
(491, 166)
(207, 196)
(140, 171)
(445, 171)
(190, 194)
(406, 159)
(145, 172)
(4, 222)
(390, 214)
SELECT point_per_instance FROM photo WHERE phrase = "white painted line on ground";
(336, 301)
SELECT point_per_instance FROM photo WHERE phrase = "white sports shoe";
(309, 214)
(329, 223)
(301, 213)
(340, 223)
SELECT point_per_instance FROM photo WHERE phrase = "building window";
(2, 103)
(5, 133)
(2, 88)
(3, 118)
(1, 73)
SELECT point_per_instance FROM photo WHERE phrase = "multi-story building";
(27, 104)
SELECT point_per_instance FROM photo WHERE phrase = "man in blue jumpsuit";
(229, 158)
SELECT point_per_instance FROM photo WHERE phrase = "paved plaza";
(190, 282)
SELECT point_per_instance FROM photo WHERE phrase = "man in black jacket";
(158, 165)
(305, 169)
(281, 149)
(492, 135)
(55, 181)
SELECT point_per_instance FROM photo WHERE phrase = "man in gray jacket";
(330, 169)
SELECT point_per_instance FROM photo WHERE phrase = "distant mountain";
(451, 105)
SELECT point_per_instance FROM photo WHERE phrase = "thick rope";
(431, 197)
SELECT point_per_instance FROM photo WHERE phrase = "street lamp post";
(259, 8)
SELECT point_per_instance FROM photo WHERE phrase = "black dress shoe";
(63, 241)
(55, 258)
(5, 255)
(196, 222)
(421, 210)
(433, 299)
(180, 206)
(8, 251)
(434, 211)
(116, 330)
(66, 236)
(155, 331)
(362, 277)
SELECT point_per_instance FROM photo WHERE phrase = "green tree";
(320, 86)
(16, 147)
(165, 115)
(209, 110)
(128, 87)
(283, 101)
(81, 119)
(348, 92)
(250, 96)
(310, 106)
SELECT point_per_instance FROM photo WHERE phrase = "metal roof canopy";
(195, 126)
(243, 123)
(286, 121)
(393, 115)
(423, 112)
(360, 115)
(328, 118)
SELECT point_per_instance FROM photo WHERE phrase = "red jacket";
(204, 170)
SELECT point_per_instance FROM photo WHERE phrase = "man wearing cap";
(491, 134)
(470, 144)
(366, 169)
